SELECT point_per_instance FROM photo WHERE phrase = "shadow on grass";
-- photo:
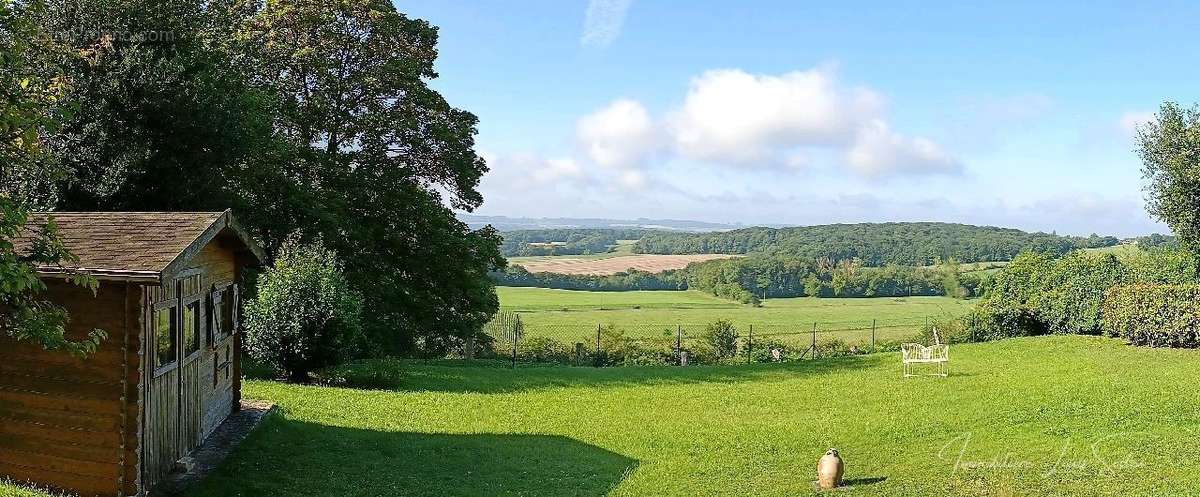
(492, 377)
(292, 458)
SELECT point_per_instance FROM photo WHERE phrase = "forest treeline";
(566, 241)
(751, 279)
(873, 244)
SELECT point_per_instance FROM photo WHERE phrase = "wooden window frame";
(198, 301)
(173, 309)
(216, 320)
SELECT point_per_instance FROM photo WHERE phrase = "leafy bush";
(1072, 292)
(545, 349)
(1154, 315)
(835, 347)
(304, 317)
(1038, 294)
(722, 336)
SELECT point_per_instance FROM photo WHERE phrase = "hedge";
(1154, 315)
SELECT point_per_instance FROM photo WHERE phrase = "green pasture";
(1061, 416)
(572, 315)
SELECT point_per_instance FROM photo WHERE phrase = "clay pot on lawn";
(830, 470)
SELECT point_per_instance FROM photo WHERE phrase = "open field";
(1118, 250)
(1064, 416)
(570, 315)
(610, 263)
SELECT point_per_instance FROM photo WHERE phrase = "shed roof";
(134, 245)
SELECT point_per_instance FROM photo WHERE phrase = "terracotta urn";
(830, 469)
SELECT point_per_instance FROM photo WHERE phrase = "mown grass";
(1070, 416)
(574, 315)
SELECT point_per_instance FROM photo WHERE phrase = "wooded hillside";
(874, 244)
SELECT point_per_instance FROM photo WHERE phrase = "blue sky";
(1018, 114)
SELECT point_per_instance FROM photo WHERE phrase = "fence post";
(872, 336)
(598, 326)
(515, 337)
(750, 345)
(814, 341)
(679, 343)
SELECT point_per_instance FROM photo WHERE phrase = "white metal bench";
(938, 354)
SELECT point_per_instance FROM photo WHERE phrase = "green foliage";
(722, 336)
(633, 279)
(1156, 240)
(875, 244)
(1038, 294)
(1154, 315)
(306, 117)
(762, 276)
(1170, 150)
(30, 109)
(546, 349)
(523, 243)
(304, 316)
(1072, 292)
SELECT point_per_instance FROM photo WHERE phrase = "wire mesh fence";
(520, 339)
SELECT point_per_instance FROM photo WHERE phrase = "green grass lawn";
(1070, 416)
(1063, 416)
(573, 315)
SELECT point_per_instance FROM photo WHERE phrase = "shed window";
(222, 315)
(191, 328)
(166, 337)
(227, 309)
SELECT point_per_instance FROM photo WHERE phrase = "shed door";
(161, 436)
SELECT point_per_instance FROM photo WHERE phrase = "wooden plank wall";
(220, 268)
(186, 404)
(72, 423)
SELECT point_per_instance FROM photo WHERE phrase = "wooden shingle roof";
(132, 243)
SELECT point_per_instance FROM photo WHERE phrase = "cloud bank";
(731, 118)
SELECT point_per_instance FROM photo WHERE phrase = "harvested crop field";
(612, 265)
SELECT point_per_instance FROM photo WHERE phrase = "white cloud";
(525, 170)
(552, 170)
(620, 135)
(603, 21)
(731, 116)
(1130, 121)
(632, 180)
(879, 151)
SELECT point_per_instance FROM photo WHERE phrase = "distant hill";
(875, 244)
(505, 223)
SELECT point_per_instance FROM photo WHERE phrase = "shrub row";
(1038, 294)
(1154, 315)
(720, 343)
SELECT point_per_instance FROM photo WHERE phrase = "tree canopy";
(30, 109)
(1169, 147)
(306, 117)
(874, 244)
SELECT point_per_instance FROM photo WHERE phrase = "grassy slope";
(1071, 416)
(560, 313)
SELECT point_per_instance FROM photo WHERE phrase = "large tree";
(30, 109)
(1170, 149)
(306, 117)
(386, 155)
(166, 120)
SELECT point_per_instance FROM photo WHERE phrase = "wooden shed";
(117, 422)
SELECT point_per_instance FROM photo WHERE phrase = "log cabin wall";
(74, 423)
